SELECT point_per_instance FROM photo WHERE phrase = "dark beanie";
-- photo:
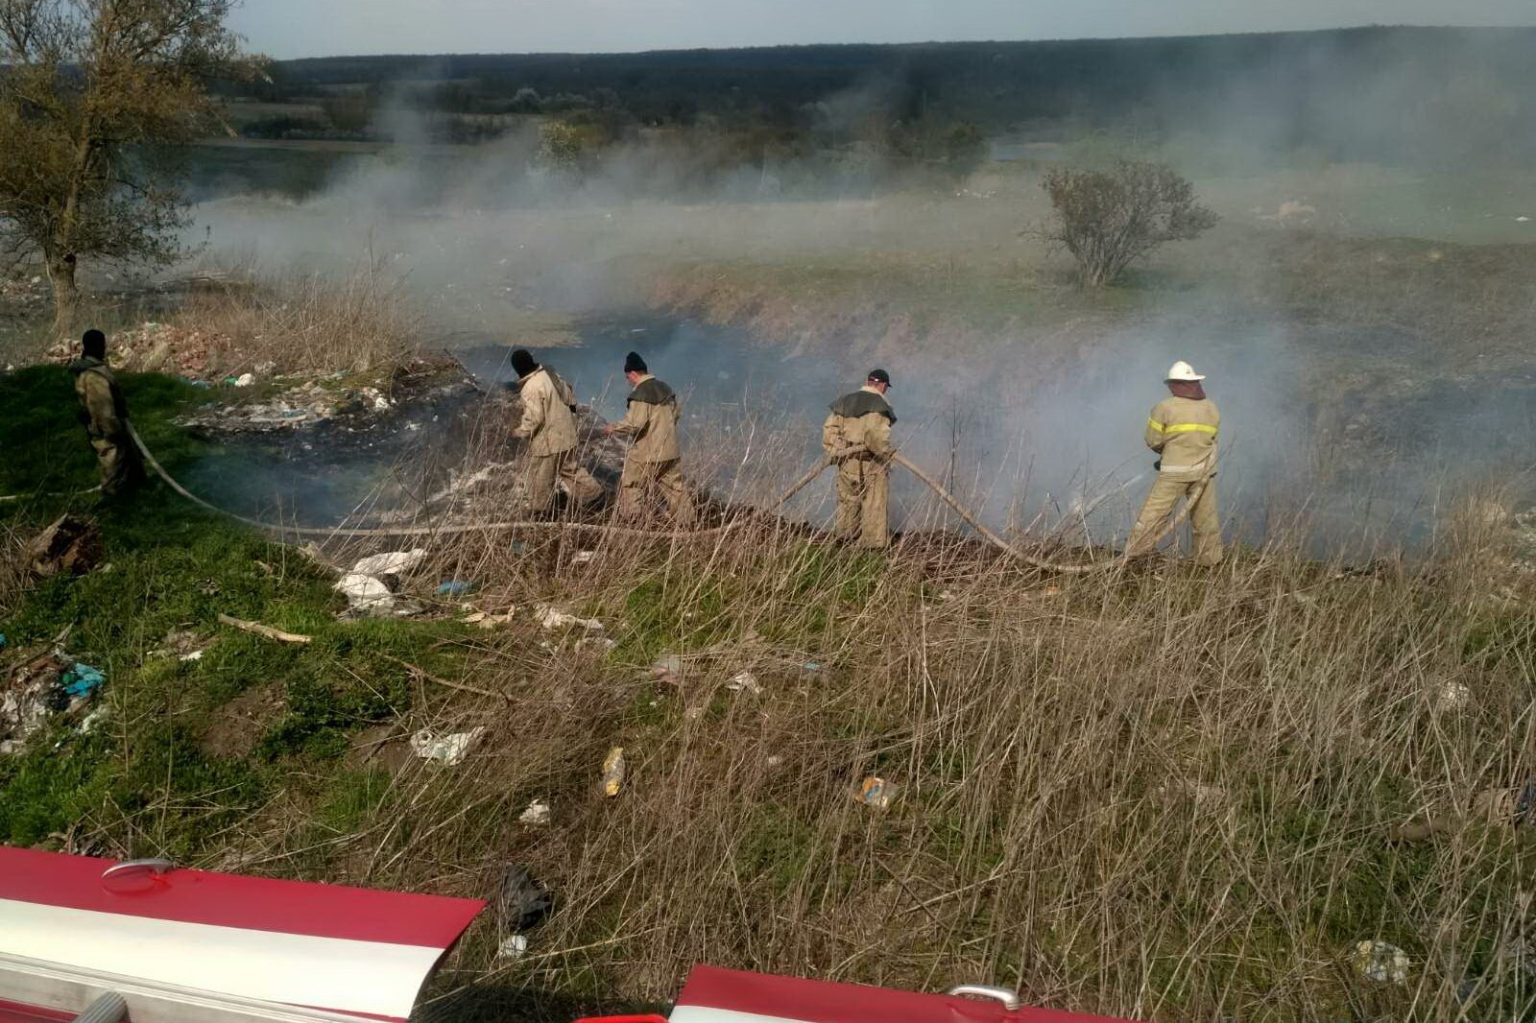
(634, 364)
(522, 362)
(94, 342)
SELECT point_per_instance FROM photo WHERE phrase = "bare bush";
(1109, 219)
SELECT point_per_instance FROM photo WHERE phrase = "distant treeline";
(1385, 93)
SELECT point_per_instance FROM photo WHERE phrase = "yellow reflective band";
(1189, 428)
(1155, 425)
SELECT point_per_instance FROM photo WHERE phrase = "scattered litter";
(693, 713)
(613, 772)
(775, 761)
(536, 814)
(600, 643)
(245, 380)
(447, 749)
(583, 557)
(551, 617)
(457, 588)
(668, 667)
(93, 719)
(876, 792)
(487, 620)
(196, 655)
(365, 593)
(1454, 695)
(1522, 220)
(811, 666)
(2, 641)
(81, 681)
(69, 546)
(523, 902)
(1381, 962)
(393, 563)
(745, 682)
(513, 947)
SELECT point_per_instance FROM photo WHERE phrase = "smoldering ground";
(1033, 423)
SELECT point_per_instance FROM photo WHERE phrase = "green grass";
(170, 566)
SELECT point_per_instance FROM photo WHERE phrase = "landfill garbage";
(523, 902)
(876, 792)
(81, 681)
(613, 772)
(1381, 962)
(457, 588)
(536, 814)
(486, 620)
(393, 563)
(1454, 695)
(245, 380)
(69, 546)
(513, 947)
(196, 655)
(365, 593)
(93, 720)
(811, 666)
(745, 682)
(448, 749)
(551, 617)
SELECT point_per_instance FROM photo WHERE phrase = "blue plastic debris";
(2, 641)
(457, 588)
(82, 680)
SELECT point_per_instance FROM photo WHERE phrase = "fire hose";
(800, 484)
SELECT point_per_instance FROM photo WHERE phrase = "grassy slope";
(144, 782)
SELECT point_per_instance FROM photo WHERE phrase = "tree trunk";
(66, 294)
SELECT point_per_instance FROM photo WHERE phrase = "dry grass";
(1157, 793)
(307, 323)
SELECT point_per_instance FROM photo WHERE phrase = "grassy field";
(1154, 792)
(1159, 793)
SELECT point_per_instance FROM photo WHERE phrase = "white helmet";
(1182, 370)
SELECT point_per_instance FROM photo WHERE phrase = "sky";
(316, 28)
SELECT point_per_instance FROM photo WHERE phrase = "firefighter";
(549, 426)
(104, 414)
(1182, 430)
(857, 439)
(653, 465)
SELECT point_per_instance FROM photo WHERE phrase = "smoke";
(1030, 432)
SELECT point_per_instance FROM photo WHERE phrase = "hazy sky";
(310, 28)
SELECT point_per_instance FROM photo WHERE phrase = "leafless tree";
(90, 91)
(1108, 219)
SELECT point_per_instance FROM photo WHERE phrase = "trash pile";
(41, 687)
(304, 404)
(157, 348)
(372, 585)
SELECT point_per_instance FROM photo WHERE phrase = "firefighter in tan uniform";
(1182, 430)
(548, 425)
(104, 414)
(857, 439)
(653, 465)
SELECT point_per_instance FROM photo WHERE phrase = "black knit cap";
(634, 364)
(522, 362)
(94, 342)
(880, 376)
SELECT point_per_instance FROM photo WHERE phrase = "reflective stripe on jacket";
(1184, 431)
